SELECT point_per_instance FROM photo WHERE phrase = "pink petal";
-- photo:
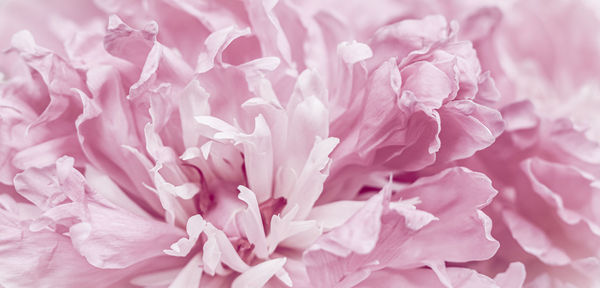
(190, 275)
(195, 226)
(251, 222)
(534, 241)
(257, 276)
(484, 125)
(513, 277)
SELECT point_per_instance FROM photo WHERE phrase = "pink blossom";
(243, 143)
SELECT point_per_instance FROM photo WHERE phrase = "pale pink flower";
(244, 143)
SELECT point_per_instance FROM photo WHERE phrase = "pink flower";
(177, 143)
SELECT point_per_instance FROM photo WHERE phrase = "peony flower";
(175, 143)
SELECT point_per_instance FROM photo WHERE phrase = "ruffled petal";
(396, 228)
(87, 217)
